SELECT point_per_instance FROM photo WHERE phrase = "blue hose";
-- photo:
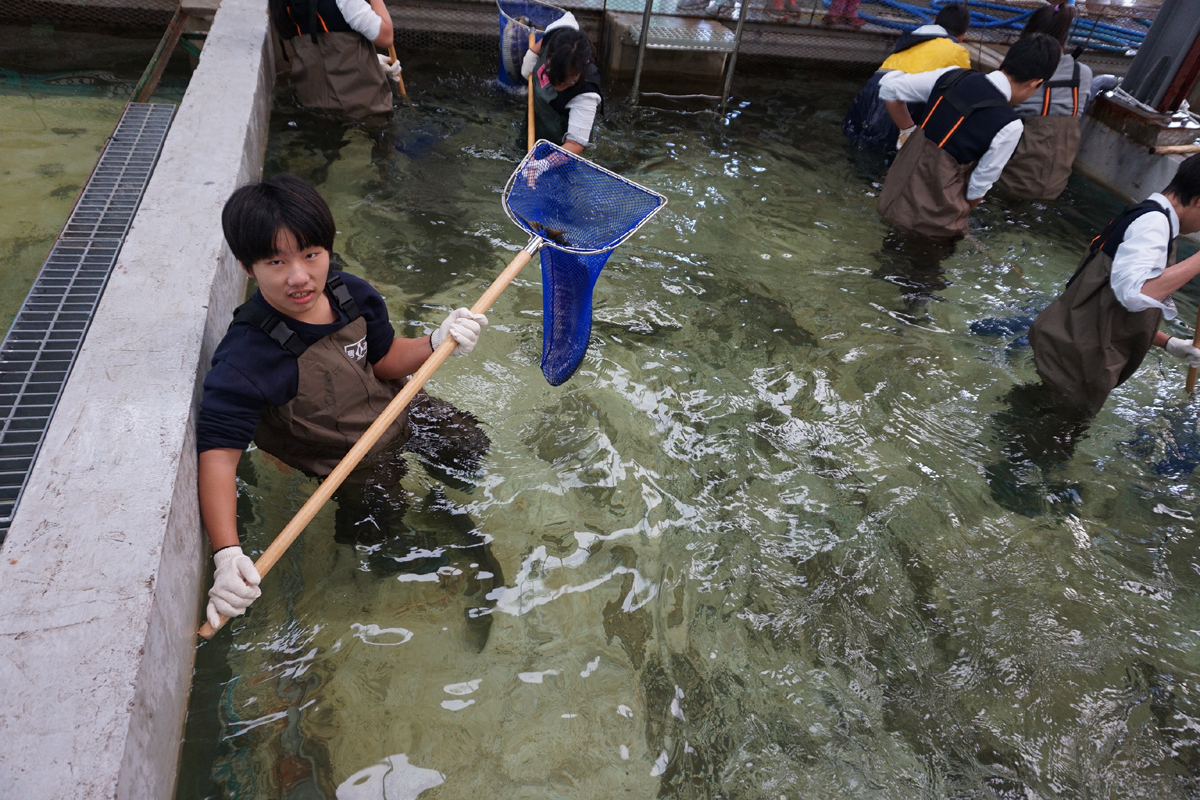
(1098, 35)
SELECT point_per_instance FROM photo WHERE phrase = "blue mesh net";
(515, 18)
(581, 212)
(567, 283)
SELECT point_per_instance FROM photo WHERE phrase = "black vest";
(966, 111)
(1114, 233)
(275, 326)
(589, 81)
(307, 18)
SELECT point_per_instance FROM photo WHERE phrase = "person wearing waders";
(927, 48)
(1095, 335)
(949, 161)
(334, 66)
(308, 363)
(566, 85)
(1041, 164)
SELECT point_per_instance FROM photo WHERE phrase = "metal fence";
(109, 15)
(791, 28)
(780, 28)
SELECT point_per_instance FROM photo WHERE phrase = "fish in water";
(1171, 441)
(1001, 326)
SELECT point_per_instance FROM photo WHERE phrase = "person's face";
(1189, 217)
(1025, 90)
(569, 80)
(293, 280)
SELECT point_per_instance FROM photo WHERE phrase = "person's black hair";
(1185, 186)
(569, 54)
(256, 214)
(1052, 20)
(1032, 57)
(955, 18)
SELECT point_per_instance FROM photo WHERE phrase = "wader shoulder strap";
(1072, 84)
(341, 294)
(964, 109)
(252, 314)
(1114, 233)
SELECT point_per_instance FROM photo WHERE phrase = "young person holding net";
(566, 85)
(306, 367)
(1041, 164)
(551, 209)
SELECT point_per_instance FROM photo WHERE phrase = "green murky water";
(751, 549)
(61, 94)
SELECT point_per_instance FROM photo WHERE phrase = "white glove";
(392, 70)
(235, 585)
(464, 327)
(533, 170)
(904, 134)
(1182, 348)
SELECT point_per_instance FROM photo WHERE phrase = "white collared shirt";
(1142, 256)
(361, 17)
(932, 30)
(917, 86)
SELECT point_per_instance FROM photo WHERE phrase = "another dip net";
(581, 212)
(516, 17)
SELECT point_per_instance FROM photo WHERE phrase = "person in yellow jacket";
(927, 48)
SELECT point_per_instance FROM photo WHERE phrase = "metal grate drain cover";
(698, 37)
(37, 354)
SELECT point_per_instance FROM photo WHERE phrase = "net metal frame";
(520, 222)
(500, 6)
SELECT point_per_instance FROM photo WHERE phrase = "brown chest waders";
(337, 399)
(340, 72)
(1085, 343)
(1041, 165)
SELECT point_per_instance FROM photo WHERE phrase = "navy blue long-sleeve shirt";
(250, 371)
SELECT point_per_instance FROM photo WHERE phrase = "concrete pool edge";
(103, 567)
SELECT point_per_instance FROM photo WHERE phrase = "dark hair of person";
(256, 214)
(955, 18)
(1185, 186)
(1032, 57)
(569, 54)
(1052, 20)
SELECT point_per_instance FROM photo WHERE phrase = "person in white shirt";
(1041, 165)
(1095, 335)
(334, 66)
(948, 163)
(566, 85)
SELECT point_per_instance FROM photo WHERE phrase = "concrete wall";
(101, 574)
(1125, 168)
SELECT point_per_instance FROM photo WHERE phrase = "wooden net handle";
(400, 402)
(399, 78)
(1191, 376)
(529, 111)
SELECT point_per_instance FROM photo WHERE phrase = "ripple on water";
(751, 549)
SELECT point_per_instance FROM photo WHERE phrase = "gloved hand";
(1182, 348)
(235, 585)
(464, 327)
(392, 70)
(533, 170)
(904, 134)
